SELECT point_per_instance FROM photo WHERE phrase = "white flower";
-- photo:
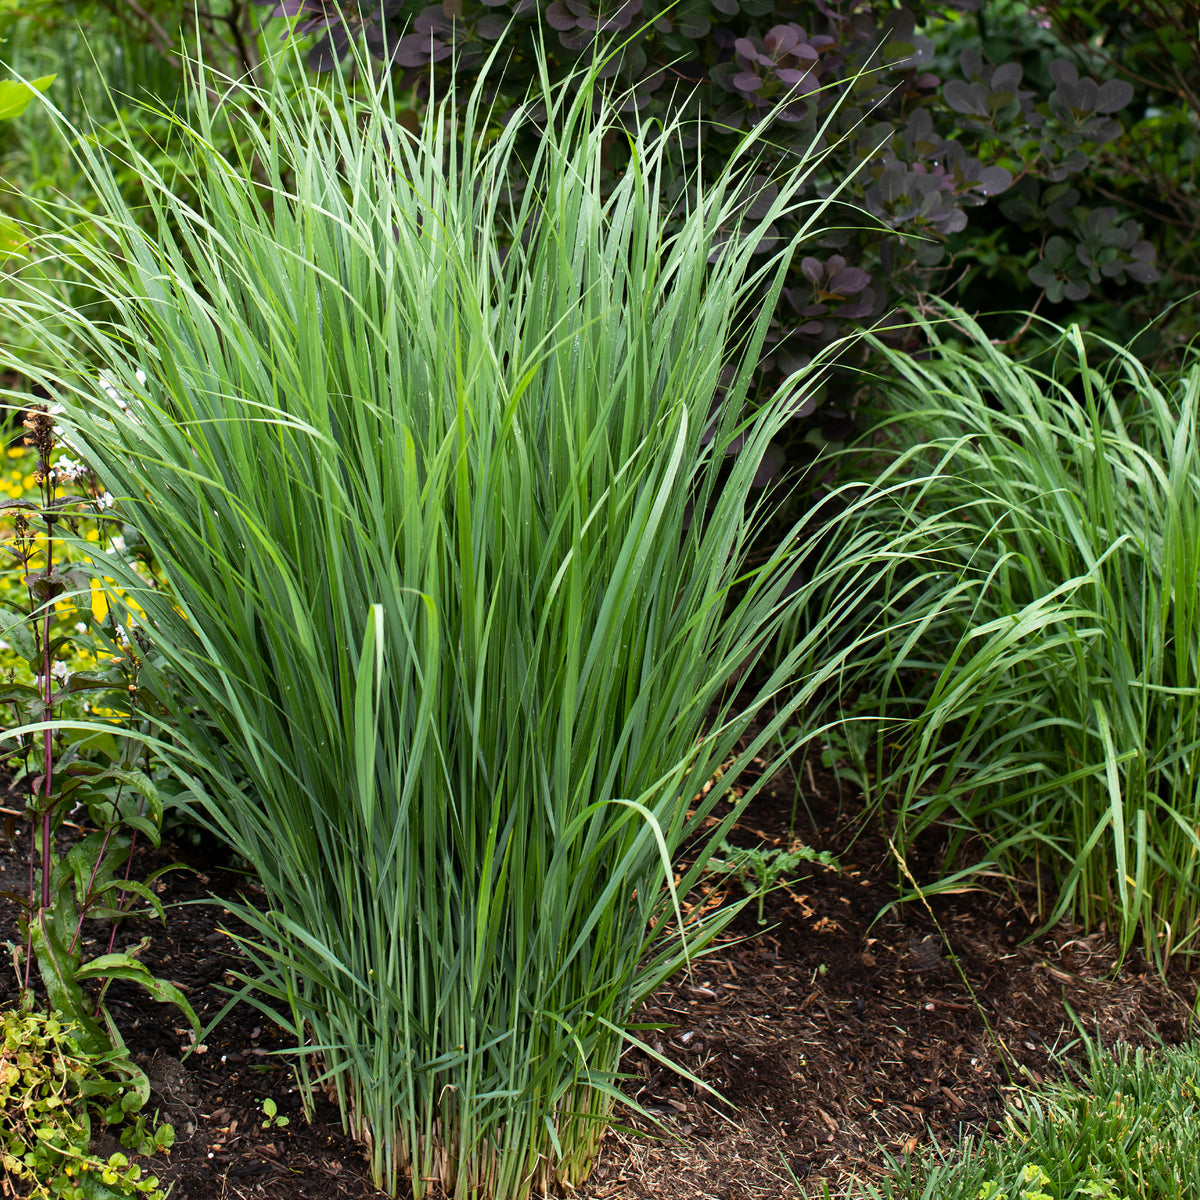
(110, 389)
(116, 545)
(104, 500)
(80, 627)
(60, 671)
(69, 470)
(56, 410)
(122, 636)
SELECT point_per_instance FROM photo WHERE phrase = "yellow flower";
(99, 601)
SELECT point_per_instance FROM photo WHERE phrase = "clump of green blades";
(455, 532)
(1045, 642)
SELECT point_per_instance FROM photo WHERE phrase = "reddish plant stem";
(91, 882)
(112, 936)
(47, 693)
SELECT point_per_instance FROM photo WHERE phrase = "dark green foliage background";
(1000, 154)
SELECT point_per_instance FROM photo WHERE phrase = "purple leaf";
(966, 97)
(1113, 95)
(1143, 272)
(429, 21)
(413, 50)
(1062, 71)
(763, 198)
(797, 79)
(954, 222)
(558, 18)
(802, 404)
(849, 282)
(812, 269)
(322, 56)
(779, 40)
(860, 308)
(1006, 78)
(1086, 95)
(773, 458)
(793, 112)
(994, 180)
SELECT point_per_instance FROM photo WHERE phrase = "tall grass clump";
(1047, 647)
(453, 500)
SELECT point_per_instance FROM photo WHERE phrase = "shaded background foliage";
(1001, 154)
(1004, 154)
(114, 62)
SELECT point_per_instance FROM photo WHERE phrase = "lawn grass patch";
(1124, 1127)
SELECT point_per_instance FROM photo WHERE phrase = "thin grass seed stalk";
(455, 533)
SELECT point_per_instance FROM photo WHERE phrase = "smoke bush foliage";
(923, 148)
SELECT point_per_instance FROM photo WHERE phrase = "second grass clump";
(1045, 643)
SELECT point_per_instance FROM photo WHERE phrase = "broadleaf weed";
(759, 870)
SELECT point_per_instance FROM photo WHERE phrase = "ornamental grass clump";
(453, 500)
(1045, 646)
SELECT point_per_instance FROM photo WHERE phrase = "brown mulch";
(838, 1036)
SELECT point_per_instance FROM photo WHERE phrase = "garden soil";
(842, 1035)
